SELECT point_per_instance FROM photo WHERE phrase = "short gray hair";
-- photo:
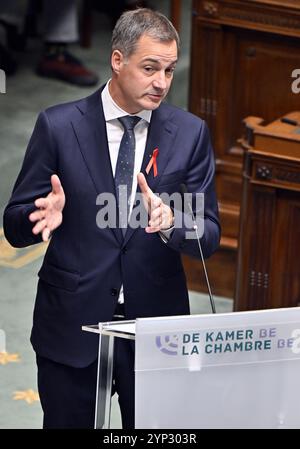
(133, 24)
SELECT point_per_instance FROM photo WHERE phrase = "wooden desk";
(268, 271)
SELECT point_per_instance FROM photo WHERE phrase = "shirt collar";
(112, 111)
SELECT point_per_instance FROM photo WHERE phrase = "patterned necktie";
(125, 169)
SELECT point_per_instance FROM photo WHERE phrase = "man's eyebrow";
(157, 61)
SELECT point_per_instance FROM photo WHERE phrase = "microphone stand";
(195, 227)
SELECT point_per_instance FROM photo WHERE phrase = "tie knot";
(129, 122)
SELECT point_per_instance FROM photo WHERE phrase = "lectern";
(235, 370)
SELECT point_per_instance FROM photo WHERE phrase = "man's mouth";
(155, 96)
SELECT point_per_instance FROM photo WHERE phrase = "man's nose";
(160, 81)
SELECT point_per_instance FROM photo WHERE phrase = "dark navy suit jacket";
(84, 266)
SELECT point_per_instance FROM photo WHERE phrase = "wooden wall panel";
(268, 271)
(243, 54)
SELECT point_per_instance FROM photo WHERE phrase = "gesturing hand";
(49, 213)
(160, 215)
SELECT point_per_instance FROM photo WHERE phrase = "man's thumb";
(56, 185)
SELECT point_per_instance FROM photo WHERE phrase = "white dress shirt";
(115, 133)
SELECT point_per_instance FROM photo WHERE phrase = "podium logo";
(168, 344)
(2, 82)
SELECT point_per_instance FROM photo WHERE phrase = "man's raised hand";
(160, 215)
(48, 217)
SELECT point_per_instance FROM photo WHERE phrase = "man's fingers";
(156, 214)
(160, 218)
(56, 184)
(155, 222)
(39, 227)
(46, 234)
(49, 216)
(37, 215)
(41, 203)
(156, 202)
(152, 229)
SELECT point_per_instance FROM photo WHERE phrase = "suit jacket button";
(124, 250)
(114, 292)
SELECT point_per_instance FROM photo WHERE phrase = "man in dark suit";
(77, 151)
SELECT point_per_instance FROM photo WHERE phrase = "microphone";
(183, 189)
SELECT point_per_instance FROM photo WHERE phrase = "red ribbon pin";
(153, 162)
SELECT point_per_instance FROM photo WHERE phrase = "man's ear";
(117, 61)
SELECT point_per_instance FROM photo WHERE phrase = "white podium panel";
(237, 370)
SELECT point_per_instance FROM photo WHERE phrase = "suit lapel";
(92, 137)
(161, 135)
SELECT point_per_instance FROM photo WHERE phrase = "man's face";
(143, 80)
